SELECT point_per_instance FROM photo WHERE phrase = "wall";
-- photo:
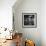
(28, 6)
(6, 13)
(43, 22)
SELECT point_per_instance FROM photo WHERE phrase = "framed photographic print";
(29, 20)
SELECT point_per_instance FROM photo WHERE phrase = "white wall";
(6, 13)
(31, 6)
(28, 6)
(43, 22)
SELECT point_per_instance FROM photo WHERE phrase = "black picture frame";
(29, 20)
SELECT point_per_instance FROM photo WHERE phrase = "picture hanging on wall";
(29, 20)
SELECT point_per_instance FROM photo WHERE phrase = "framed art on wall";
(29, 20)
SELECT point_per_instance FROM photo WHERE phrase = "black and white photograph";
(29, 20)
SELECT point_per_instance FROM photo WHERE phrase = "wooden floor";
(9, 43)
